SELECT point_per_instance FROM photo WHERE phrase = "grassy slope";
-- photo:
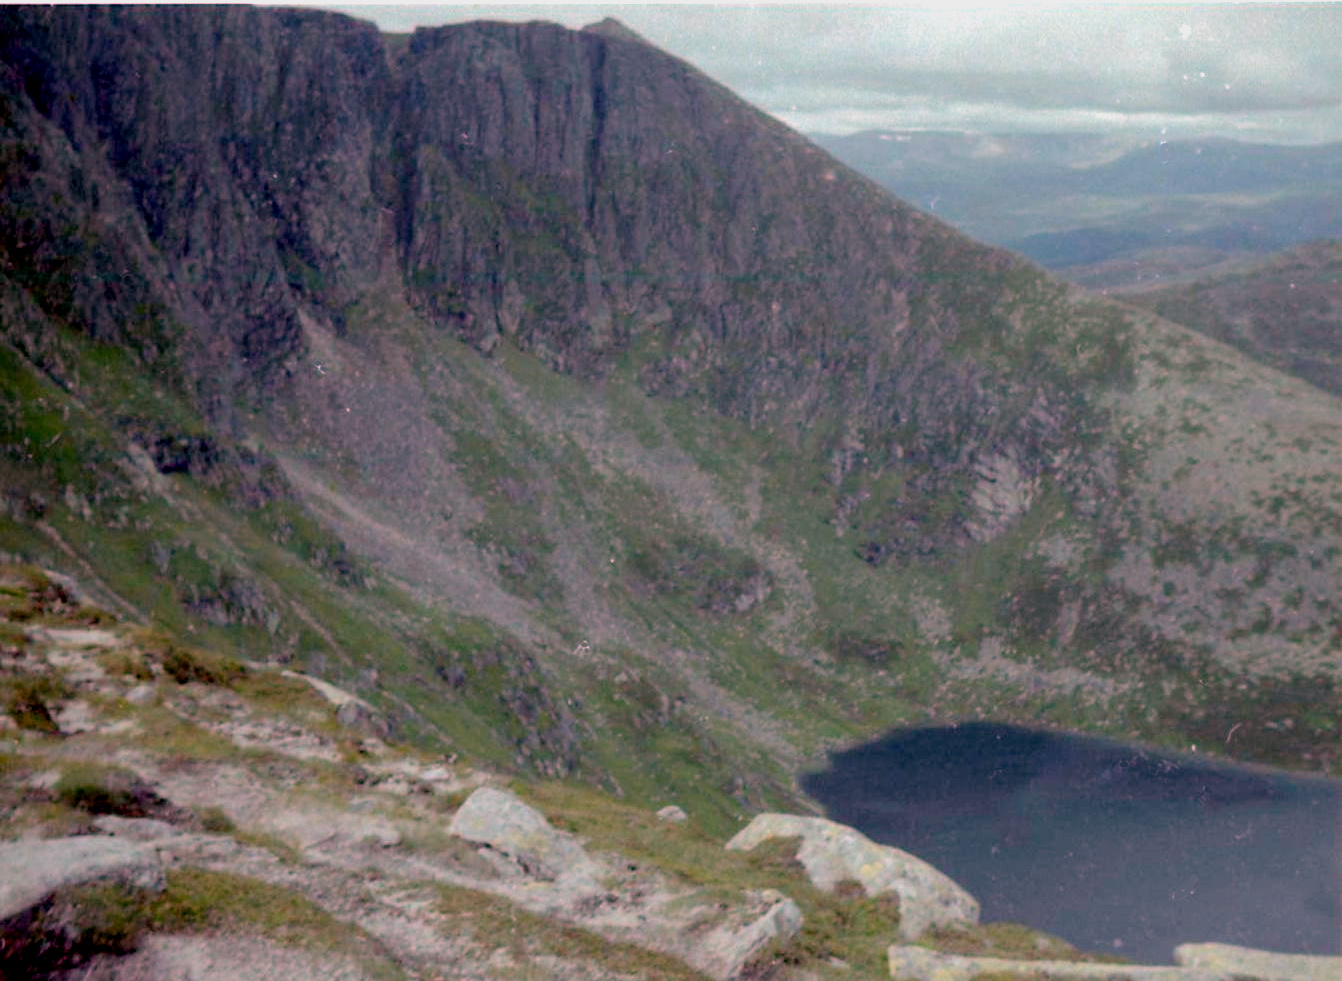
(280, 890)
(1284, 311)
(579, 580)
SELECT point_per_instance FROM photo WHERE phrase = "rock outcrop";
(352, 712)
(1196, 962)
(515, 181)
(727, 949)
(833, 853)
(32, 871)
(909, 963)
(208, 958)
(519, 835)
(1244, 962)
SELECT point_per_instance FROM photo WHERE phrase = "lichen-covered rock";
(909, 963)
(728, 948)
(519, 832)
(672, 814)
(833, 852)
(1245, 962)
(31, 871)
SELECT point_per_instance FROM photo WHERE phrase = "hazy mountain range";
(1108, 211)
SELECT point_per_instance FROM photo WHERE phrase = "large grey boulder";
(1245, 962)
(833, 852)
(724, 951)
(32, 871)
(911, 963)
(519, 832)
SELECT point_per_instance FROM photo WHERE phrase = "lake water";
(1113, 848)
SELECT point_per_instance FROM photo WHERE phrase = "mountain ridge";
(1281, 310)
(560, 403)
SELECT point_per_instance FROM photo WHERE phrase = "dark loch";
(1115, 849)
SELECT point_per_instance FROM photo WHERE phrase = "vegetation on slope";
(292, 831)
(1284, 311)
(662, 478)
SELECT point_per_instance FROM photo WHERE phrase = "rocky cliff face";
(547, 330)
(594, 200)
(580, 193)
(208, 167)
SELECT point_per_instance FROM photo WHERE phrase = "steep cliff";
(225, 152)
(577, 192)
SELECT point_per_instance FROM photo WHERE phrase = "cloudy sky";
(1261, 72)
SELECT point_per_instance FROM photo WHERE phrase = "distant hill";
(1107, 212)
(1285, 311)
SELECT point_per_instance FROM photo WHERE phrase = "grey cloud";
(1274, 70)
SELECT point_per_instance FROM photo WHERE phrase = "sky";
(1268, 73)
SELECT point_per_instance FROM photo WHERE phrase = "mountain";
(1285, 311)
(1106, 212)
(589, 423)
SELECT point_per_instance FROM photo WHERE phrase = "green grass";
(198, 900)
(215, 820)
(100, 789)
(1007, 940)
(77, 923)
(163, 731)
(113, 919)
(1293, 721)
(635, 412)
(30, 699)
(184, 665)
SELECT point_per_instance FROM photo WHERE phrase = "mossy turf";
(109, 918)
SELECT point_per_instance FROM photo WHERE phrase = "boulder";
(32, 871)
(724, 951)
(519, 832)
(1245, 962)
(833, 852)
(672, 814)
(910, 963)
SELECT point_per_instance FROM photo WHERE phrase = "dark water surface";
(1111, 847)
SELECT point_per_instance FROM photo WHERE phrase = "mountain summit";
(609, 27)
(589, 421)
